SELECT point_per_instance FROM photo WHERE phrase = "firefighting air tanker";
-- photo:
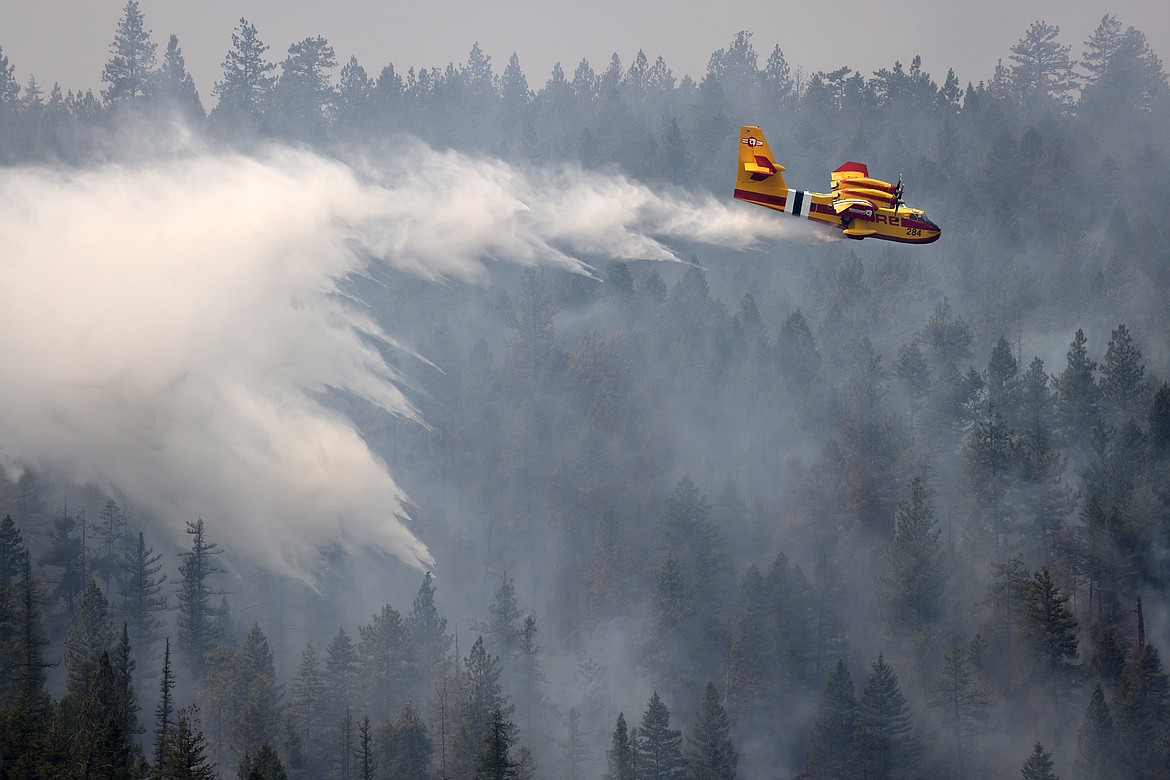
(858, 206)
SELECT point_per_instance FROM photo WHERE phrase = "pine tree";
(187, 752)
(914, 579)
(258, 718)
(341, 663)
(130, 69)
(1078, 398)
(710, 753)
(481, 695)
(197, 633)
(495, 762)
(175, 86)
(832, 744)
(886, 745)
(247, 85)
(1096, 741)
(382, 662)
(577, 751)
(309, 707)
(1039, 765)
(164, 711)
(304, 97)
(12, 552)
(962, 705)
(427, 637)
(622, 754)
(1042, 69)
(91, 633)
(365, 751)
(1123, 376)
(407, 749)
(142, 598)
(1142, 714)
(109, 535)
(264, 764)
(1051, 628)
(659, 754)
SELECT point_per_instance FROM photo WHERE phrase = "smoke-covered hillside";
(446, 424)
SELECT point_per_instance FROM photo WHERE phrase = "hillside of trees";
(827, 510)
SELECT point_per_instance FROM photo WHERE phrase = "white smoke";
(167, 328)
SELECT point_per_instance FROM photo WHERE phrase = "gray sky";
(67, 41)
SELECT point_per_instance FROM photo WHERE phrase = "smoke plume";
(169, 327)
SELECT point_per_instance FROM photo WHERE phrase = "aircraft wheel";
(846, 220)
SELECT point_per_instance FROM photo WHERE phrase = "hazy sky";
(67, 41)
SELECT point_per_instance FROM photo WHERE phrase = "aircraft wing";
(852, 183)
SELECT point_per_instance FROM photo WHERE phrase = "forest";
(807, 509)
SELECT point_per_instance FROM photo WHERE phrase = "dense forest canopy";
(806, 509)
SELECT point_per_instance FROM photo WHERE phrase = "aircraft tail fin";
(759, 177)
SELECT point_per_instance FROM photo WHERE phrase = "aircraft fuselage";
(908, 225)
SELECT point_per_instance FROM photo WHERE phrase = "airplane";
(858, 206)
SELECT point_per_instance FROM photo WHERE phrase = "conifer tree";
(406, 747)
(164, 711)
(174, 84)
(1078, 397)
(659, 746)
(1051, 628)
(427, 637)
(264, 764)
(1097, 741)
(247, 84)
(914, 579)
(383, 662)
(481, 695)
(1042, 69)
(962, 705)
(12, 552)
(258, 717)
(622, 753)
(1039, 765)
(365, 752)
(577, 751)
(495, 761)
(143, 599)
(886, 745)
(131, 66)
(186, 756)
(1123, 376)
(1142, 714)
(196, 621)
(309, 708)
(91, 633)
(341, 663)
(832, 747)
(710, 753)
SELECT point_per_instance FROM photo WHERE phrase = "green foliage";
(622, 756)
(406, 747)
(832, 746)
(1096, 740)
(659, 747)
(1038, 766)
(710, 753)
(196, 620)
(915, 577)
(130, 68)
(886, 744)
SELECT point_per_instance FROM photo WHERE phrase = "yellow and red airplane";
(857, 205)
